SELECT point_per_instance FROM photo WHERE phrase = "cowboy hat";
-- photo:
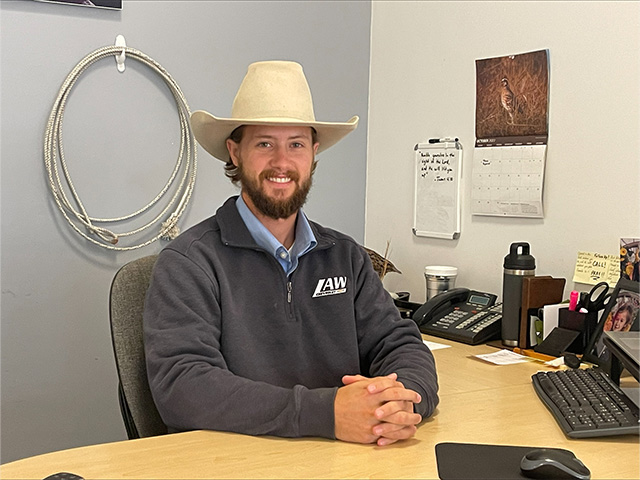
(272, 93)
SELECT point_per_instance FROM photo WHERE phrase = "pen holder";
(584, 323)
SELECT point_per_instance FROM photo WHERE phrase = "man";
(261, 322)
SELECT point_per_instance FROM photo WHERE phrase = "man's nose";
(280, 155)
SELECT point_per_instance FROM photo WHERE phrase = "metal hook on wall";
(120, 58)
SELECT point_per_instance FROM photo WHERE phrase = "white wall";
(59, 384)
(423, 85)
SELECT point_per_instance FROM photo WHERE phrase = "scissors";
(593, 302)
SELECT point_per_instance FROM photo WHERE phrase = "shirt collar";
(305, 240)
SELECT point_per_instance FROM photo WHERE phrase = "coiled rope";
(77, 216)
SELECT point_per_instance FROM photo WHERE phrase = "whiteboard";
(438, 170)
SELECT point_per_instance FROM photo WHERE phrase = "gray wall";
(121, 140)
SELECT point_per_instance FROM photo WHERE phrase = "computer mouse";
(64, 476)
(571, 360)
(553, 463)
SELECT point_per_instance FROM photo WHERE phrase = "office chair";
(126, 303)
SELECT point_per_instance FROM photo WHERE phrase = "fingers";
(383, 441)
(394, 432)
(349, 379)
(378, 384)
(388, 393)
(381, 413)
(392, 437)
(389, 433)
(395, 393)
(353, 413)
(389, 389)
(396, 415)
(399, 413)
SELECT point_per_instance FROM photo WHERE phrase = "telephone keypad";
(467, 323)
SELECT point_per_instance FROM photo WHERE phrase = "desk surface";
(479, 403)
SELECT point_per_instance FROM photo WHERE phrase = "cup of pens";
(582, 314)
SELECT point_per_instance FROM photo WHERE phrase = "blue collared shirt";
(305, 240)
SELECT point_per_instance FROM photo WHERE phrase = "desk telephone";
(462, 315)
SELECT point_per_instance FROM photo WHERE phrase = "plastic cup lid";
(441, 271)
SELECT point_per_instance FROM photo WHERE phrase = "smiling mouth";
(279, 179)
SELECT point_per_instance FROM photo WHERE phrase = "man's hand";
(378, 409)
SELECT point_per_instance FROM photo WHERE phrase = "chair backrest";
(126, 304)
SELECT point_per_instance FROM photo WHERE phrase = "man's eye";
(264, 144)
(297, 145)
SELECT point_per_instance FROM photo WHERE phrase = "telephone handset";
(440, 302)
(461, 314)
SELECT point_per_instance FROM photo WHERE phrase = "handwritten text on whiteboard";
(437, 166)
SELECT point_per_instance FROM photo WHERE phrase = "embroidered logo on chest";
(330, 286)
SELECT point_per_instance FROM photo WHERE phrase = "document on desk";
(435, 346)
(503, 357)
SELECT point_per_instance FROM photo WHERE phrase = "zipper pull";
(289, 292)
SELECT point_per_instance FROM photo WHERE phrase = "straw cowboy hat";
(272, 93)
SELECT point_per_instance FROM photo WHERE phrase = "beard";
(275, 208)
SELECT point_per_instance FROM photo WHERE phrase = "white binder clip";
(120, 57)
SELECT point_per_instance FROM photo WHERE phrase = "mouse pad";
(474, 461)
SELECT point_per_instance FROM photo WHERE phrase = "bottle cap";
(519, 257)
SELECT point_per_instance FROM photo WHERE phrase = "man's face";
(274, 165)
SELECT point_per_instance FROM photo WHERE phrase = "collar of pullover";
(234, 232)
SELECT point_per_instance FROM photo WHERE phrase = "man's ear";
(315, 148)
(233, 148)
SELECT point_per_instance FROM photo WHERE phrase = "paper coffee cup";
(439, 279)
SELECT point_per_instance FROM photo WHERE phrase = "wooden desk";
(479, 403)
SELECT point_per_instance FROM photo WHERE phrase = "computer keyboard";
(586, 403)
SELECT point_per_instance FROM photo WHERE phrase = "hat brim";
(212, 132)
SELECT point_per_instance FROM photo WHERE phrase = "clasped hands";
(378, 409)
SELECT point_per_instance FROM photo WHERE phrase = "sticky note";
(592, 268)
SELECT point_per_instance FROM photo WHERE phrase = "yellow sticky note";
(592, 268)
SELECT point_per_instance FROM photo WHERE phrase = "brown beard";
(270, 207)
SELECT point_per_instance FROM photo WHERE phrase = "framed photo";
(621, 314)
(630, 258)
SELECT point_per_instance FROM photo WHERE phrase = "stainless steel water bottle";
(517, 265)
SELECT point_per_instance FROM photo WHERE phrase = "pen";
(533, 354)
(440, 140)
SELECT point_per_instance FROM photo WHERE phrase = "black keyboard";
(586, 403)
